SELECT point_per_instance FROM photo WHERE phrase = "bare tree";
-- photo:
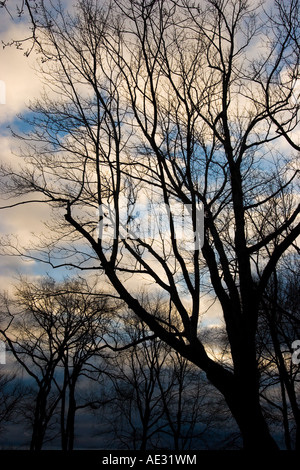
(11, 394)
(87, 318)
(137, 405)
(54, 332)
(158, 399)
(193, 409)
(166, 100)
(279, 328)
(38, 357)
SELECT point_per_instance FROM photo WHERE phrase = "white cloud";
(19, 85)
(18, 75)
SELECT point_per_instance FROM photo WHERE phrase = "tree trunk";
(285, 418)
(71, 418)
(241, 392)
(247, 412)
(40, 420)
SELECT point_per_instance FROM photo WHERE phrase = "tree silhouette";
(187, 107)
(278, 329)
(56, 331)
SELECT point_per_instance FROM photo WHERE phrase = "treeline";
(72, 351)
(81, 351)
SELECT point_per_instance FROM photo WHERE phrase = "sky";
(19, 84)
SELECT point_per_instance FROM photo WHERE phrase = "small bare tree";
(12, 394)
(55, 331)
(136, 406)
(158, 399)
(279, 328)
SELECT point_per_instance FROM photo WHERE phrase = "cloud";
(19, 84)
(17, 71)
(18, 75)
